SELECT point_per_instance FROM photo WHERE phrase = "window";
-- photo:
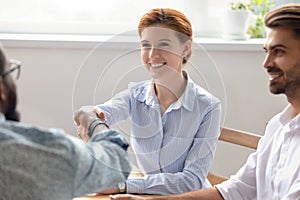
(99, 16)
(104, 16)
(76, 17)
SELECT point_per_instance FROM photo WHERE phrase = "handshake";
(89, 120)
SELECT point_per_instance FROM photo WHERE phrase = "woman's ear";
(187, 48)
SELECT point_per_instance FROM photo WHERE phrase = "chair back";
(238, 137)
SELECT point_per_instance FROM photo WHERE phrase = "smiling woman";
(174, 122)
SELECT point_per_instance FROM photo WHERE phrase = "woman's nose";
(154, 52)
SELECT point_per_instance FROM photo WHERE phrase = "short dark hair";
(287, 15)
(3, 60)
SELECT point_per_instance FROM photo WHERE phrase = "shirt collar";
(185, 99)
(190, 91)
(149, 97)
(286, 117)
(143, 92)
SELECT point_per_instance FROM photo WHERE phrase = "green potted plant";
(236, 21)
(259, 8)
(240, 6)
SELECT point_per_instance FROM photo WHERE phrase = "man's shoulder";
(27, 133)
(203, 96)
(139, 89)
(138, 86)
(35, 157)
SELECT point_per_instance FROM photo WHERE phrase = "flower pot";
(236, 24)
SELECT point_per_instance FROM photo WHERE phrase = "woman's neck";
(169, 89)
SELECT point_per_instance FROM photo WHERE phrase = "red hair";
(171, 19)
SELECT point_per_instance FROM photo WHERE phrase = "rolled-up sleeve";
(243, 184)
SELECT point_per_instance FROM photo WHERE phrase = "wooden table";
(101, 197)
(134, 173)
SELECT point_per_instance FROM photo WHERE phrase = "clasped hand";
(83, 118)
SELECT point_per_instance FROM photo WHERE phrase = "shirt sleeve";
(196, 166)
(242, 185)
(101, 163)
(294, 191)
(117, 109)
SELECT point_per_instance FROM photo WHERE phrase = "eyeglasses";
(14, 69)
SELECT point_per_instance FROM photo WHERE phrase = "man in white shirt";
(273, 171)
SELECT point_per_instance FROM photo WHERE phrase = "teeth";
(273, 76)
(157, 65)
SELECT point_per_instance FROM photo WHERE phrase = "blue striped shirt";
(174, 150)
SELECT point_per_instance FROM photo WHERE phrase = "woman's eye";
(145, 45)
(164, 44)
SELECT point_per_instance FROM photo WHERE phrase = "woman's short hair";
(171, 19)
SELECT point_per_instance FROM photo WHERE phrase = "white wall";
(55, 81)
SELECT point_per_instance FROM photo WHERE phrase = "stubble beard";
(291, 84)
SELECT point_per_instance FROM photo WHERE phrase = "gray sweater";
(48, 164)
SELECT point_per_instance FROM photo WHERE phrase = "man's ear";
(3, 92)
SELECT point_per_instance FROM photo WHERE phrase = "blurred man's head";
(9, 70)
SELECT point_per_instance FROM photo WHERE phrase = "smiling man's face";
(283, 61)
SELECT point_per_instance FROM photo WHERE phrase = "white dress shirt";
(174, 150)
(273, 171)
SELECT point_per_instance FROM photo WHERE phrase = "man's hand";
(83, 118)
